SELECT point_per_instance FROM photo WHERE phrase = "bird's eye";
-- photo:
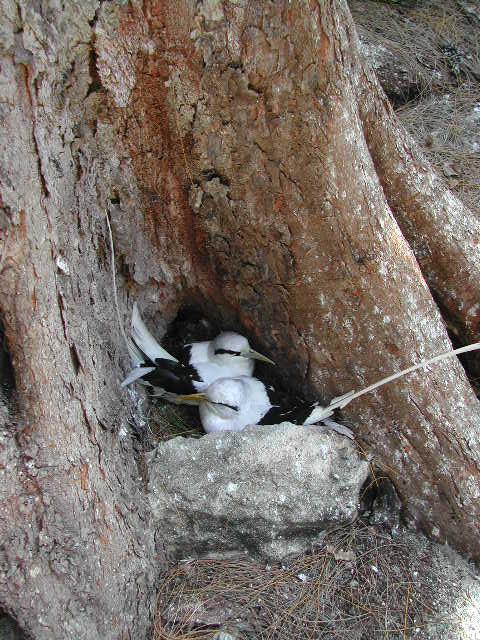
(229, 351)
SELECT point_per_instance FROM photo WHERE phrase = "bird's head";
(224, 397)
(229, 346)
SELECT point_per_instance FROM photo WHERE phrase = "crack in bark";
(43, 180)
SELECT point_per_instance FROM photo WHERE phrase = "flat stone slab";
(268, 491)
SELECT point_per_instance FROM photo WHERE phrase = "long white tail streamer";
(342, 401)
(135, 374)
(144, 339)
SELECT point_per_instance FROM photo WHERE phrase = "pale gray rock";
(267, 491)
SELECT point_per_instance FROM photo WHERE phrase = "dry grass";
(433, 45)
(429, 53)
(447, 128)
(360, 584)
(166, 421)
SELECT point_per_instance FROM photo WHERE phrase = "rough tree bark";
(251, 165)
(77, 553)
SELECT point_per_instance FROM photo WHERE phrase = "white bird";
(228, 352)
(228, 355)
(230, 404)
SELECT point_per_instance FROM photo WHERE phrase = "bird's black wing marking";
(296, 414)
(179, 369)
(185, 354)
(173, 377)
(285, 409)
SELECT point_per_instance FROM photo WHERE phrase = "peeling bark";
(242, 164)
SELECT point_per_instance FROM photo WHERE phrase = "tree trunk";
(77, 554)
(250, 166)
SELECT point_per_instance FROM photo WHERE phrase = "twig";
(112, 257)
(406, 611)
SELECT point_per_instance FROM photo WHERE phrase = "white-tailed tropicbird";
(228, 355)
(230, 404)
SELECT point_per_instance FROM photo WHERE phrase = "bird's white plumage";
(230, 340)
(136, 356)
(135, 374)
(234, 403)
(227, 364)
(339, 428)
(318, 413)
(211, 371)
(199, 352)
